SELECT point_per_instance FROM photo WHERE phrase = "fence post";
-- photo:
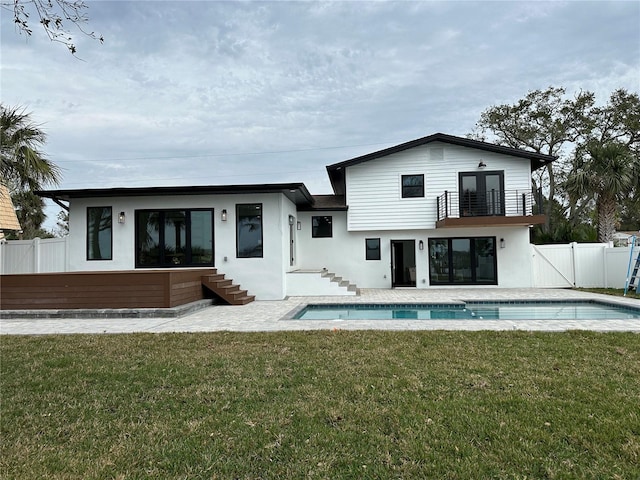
(66, 253)
(574, 254)
(36, 254)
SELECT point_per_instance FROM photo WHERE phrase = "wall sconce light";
(299, 226)
(421, 245)
(482, 164)
(291, 219)
(223, 217)
(121, 217)
(502, 243)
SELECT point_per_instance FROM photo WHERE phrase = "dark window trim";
(482, 187)
(110, 239)
(402, 185)
(367, 250)
(472, 255)
(313, 233)
(238, 205)
(188, 253)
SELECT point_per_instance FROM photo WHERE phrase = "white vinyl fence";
(34, 256)
(595, 265)
(554, 266)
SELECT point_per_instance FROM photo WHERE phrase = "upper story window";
(249, 230)
(412, 186)
(99, 233)
(321, 227)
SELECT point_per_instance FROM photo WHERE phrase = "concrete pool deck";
(271, 315)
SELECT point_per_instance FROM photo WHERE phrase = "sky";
(211, 93)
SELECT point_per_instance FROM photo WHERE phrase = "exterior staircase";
(318, 282)
(341, 282)
(226, 290)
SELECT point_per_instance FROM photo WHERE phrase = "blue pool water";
(470, 311)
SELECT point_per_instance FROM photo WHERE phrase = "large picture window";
(322, 227)
(174, 238)
(99, 233)
(412, 186)
(249, 230)
(462, 261)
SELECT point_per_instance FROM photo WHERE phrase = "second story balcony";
(476, 208)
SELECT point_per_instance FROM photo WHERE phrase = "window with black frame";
(249, 234)
(99, 233)
(463, 261)
(372, 248)
(321, 226)
(412, 186)
(174, 238)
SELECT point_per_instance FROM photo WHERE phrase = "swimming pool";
(471, 310)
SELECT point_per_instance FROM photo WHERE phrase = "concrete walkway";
(272, 315)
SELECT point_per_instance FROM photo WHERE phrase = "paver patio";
(269, 315)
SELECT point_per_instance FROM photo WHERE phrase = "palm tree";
(607, 176)
(23, 166)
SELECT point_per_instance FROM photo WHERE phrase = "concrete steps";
(318, 282)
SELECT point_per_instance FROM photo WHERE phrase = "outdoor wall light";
(502, 243)
(291, 219)
(421, 245)
(121, 217)
(224, 215)
(299, 226)
(482, 164)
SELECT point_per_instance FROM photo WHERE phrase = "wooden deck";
(109, 289)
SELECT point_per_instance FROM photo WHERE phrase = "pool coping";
(293, 314)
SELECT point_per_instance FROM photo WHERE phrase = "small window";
(99, 233)
(412, 186)
(372, 248)
(249, 230)
(321, 227)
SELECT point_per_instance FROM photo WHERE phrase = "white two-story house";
(434, 212)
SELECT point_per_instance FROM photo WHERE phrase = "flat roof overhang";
(296, 192)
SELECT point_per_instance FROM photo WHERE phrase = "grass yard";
(617, 292)
(330, 404)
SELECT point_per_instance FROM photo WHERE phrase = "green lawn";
(330, 404)
(617, 292)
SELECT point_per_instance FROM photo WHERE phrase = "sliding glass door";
(174, 238)
(462, 261)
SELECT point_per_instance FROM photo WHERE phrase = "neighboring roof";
(8, 218)
(336, 171)
(326, 202)
(296, 192)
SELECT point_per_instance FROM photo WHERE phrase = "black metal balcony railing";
(510, 203)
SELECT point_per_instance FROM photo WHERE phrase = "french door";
(481, 194)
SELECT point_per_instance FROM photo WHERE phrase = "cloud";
(243, 92)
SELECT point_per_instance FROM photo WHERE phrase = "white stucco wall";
(344, 253)
(263, 277)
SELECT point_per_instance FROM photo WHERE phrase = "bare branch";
(54, 16)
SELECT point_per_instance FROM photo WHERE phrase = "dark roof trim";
(326, 203)
(296, 192)
(336, 171)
